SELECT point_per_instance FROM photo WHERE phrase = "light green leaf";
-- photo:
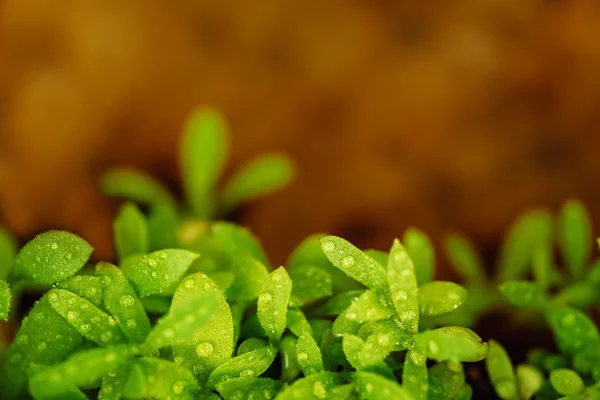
(261, 176)
(273, 303)
(374, 387)
(381, 338)
(500, 370)
(464, 258)
(308, 355)
(130, 231)
(203, 152)
(249, 365)
(158, 271)
(337, 304)
(248, 388)
(79, 370)
(310, 283)
(121, 300)
(355, 351)
(8, 252)
(236, 241)
(112, 385)
(575, 236)
(420, 250)
(530, 380)
(345, 323)
(44, 338)
(5, 299)
(39, 391)
(543, 267)
(314, 387)
(415, 378)
(566, 381)
(87, 286)
(134, 185)
(251, 344)
(573, 330)
(446, 378)
(529, 231)
(372, 305)
(211, 344)
(403, 285)
(439, 297)
(523, 294)
(250, 278)
(90, 321)
(160, 379)
(353, 262)
(451, 343)
(52, 257)
(297, 323)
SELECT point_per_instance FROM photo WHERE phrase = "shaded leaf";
(566, 381)
(439, 297)
(403, 285)
(8, 252)
(464, 258)
(573, 330)
(290, 369)
(130, 231)
(248, 365)
(310, 283)
(86, 286)
(134, 185)
(575, 236)
(5, 299)
(112, 385)
(374, 387)
(236, 241)
(420, 250)
(162, 223)
(500, 371)
(273, 303)
(160, 379)
(251, 344)
(337, 304)
(314, 387)
(523, 294)
(250, 278)
(247, 388)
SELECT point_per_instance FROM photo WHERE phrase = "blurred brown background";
(443, 115)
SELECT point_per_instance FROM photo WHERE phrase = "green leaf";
(451, 343)
(529, 231)
(310, 283)
(448, 379)
(319, 326)
(251, 344)
(134, 185)
(130, 232)
(8, 252)
(374, 387)
(5, 299)
(250, 278)
(289, 362)
(184, 321)
(575, 236)
(337, 304)
(249, 365)
(297, 323)
(372, 305)
(573, 330)
(236, 241)
(353, 262)
(210, 345)
(160, 379)
(403, 285)
(112, 386)
(415, 378)
(158, 271)
(163, 222)
(530, 380)
(121, 300)
(44, 338)
(90, 321)
(314, 387)
(38, 391)
(439, 297)
(381, 338)
(464, 258)
(203, 152)
(261, 176)
(566, 381)
(88, 287)
(355, 350)
(500, 370)
(308, 355)
(523, 294)
(420, 250)
(543, 267)
(79, 370)
(248, 388)
(273, 303)
(52, 257)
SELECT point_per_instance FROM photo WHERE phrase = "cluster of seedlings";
(195, 310)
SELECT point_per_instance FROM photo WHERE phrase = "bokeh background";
(448, 116)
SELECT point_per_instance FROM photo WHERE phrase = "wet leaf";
(374, 387)
(158, 271)
(523, 294)
(38, 390)
(121, 300)
(52, 257)
(211, 344)
(134, 185)
(236, 241)
(86, 286)
(79, 370)
(248, 388)
(372, 305)
(162, 223)
(273, 303)
(297, 323)
(130, 230)
(575, 236)
(310, 283)
(500, 370)
(446, 378)
(451, 343)
(5, 299)
(289, 362)
(314, 387)
(353, 262)
(261, 176)
(251, 344)
(381, 338)
(337, 304)
(464, 258)
(248, 365)
(529, 379)
(203, 152)
(8, 252)
(250, 278)
(160, 379)
(420, 250)
(415, 377)
(566, 381)
(90, 321)
(573, 330)
(112, 385)
(403, 285)
(308, 355)
(439, 297)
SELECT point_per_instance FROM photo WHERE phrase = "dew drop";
(54, 246)
(85, 328)
(302, 356)
(53, 296)
(152, 262)
(106, 280)
(204, 349)
(112, 374)
(72, 316)
(107, 388)
(110, 357)
(153, 275)
(111, 321)
(178, 387)
(163, 255)
(68, 256)
(42, 346)
(400, 295)
(246, 373)
(178, 360)
(127, 300)
(106, 336)
(329, 246)
(417, 358)
(266, 297)
(169, 333)
(319, 390)
(433, 347)
(348, 261)
(383, 339)
(189, 283)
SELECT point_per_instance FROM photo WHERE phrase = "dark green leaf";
(163, 222)
(575, 236)
(130, 231)
(236, 241)
(314, 387)
(464, 258)
(523, 294)
(337, 304)
(250, 278)
(439, 297)
(52, 257)
(289, 362)
(5, 299)
(8, 252)
(500, 370)
(310, 283)
(420, 250)
(248, 388)
(573, 330)
(251, 344)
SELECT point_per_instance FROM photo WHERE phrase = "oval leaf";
(403, 285)
(437, 298)
(273, 303)
(134, 185)
(130, 231)
(451, 343)
(575, 236)
(315, 387)
(415, 378)
(374, 387)
(500, 370)
(566, 381)
(523, 294)
(308, 355)
(248, 388)
(248, 365)
(464, 258)
(420, 250)
(573, 330)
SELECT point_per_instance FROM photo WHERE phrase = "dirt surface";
(447, 117)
